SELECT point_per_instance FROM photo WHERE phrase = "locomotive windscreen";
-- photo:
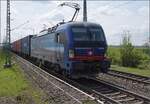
(88, 34)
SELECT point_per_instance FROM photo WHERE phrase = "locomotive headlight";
(71, 53)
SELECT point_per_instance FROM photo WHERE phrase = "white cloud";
(143, 10)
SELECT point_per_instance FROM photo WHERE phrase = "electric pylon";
(84, 11)
(8, 38)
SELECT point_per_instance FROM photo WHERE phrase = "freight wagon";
(26, 45)
(16, 46)
(22, 46)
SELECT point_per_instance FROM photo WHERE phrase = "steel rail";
(45, 76)
(129, 76)
(101, 96)
(130, 93)
(98, 95)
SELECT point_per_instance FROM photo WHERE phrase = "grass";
(137, 71)
(142, 69)
(11, 81)
(89, 102)
(14, 84)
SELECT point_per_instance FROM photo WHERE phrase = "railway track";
(65, 92)
(112, 94)
(134, 83)
(103, 91)
(129, 76)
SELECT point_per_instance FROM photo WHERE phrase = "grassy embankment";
(14, 84)
(114, 53)
(131, 70)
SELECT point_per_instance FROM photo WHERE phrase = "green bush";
(146, 48)
(144, 62)
(135, 58)
(114, 55)
(130, 57)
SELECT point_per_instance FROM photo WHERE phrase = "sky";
(116, 18)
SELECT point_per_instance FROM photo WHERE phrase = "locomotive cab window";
(88, 34)
(97, 34)
(80, 34)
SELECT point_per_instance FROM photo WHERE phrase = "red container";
(18, 46)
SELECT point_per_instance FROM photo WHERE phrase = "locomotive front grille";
(86, 67)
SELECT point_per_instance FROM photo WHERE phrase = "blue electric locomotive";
(74, 48)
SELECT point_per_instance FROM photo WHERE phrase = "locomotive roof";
(70, 24)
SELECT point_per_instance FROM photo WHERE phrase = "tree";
(130, 57)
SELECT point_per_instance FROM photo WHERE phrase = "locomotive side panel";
(43, 48)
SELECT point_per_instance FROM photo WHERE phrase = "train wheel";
(40, 63)
(104, 70)
(57, 69)
(64, 73)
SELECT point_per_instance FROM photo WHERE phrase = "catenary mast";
(0, 24)
(8, 38)
(84, 11)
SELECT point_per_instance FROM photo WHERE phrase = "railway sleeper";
(125, 99)
(112, 94)
(106, 91)
(101, 88)
(135, 101)
(147, 80)
(119, 96)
